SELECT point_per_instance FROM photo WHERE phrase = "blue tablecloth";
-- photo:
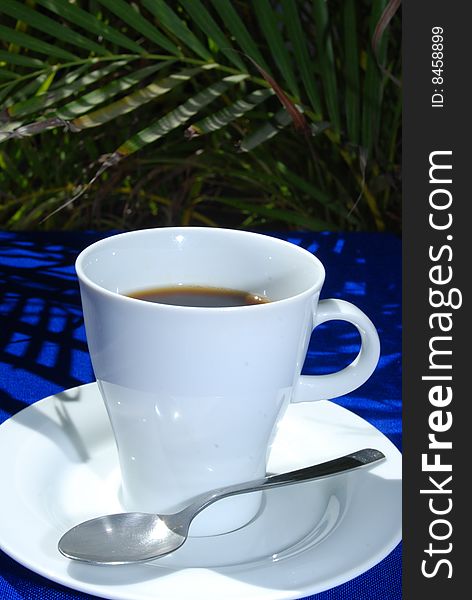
(43, 351)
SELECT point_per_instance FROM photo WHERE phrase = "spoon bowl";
(124, 538)
(132, 537)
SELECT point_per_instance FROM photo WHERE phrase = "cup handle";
(324, 387)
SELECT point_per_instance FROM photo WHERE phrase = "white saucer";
(59, 467)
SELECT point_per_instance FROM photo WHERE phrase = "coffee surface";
(200, 296)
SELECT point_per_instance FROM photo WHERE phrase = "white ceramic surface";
(194, 394)
(59, 466)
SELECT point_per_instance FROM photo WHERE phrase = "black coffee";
(189, 295)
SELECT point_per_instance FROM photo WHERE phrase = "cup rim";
(309, 291)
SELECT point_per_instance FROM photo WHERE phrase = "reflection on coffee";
(192, 295)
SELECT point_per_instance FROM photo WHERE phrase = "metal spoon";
(137, 537)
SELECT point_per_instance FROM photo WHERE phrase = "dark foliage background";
(182, 112)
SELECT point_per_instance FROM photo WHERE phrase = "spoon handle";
(326, 469)
(348, 462)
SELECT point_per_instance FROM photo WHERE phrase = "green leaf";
(393, 130)
(85, 20)
(304, 61)
(128, 14)
(267, 131)
(167, 18)
(351, 61)
(64, 116)
(29, 89)
(241, 35)
(201, 17)
(373, 83)
(44, 87)
(35, 19)
(27, 41)
(7, 128)
(72, 75)
(326, 61)
(8, 75)
(124, 105)
(178, 116)
(230, 113)
(382, 24)
(269, 24)
(42, 101)
(5, 90)
(92, 99)
(18, 59)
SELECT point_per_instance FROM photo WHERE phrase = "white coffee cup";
(194, 394)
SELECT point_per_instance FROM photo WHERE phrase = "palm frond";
(178, 116)
(229, 114)
(45, 99)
